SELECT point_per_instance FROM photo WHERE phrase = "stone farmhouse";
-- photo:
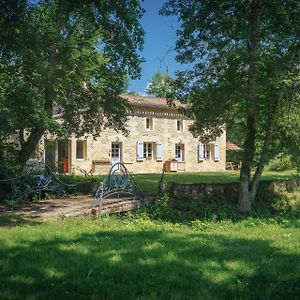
(158, 140)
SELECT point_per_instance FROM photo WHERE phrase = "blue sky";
(159, 43)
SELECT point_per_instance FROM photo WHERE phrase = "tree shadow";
(147, 264)
(8, 219)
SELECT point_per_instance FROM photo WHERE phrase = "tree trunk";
(29, 146)
(249, 144)
(36, 134)
(244, 194)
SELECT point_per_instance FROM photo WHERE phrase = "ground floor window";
(148, 150)
(179, 152)
(209, 152)
(81, 149)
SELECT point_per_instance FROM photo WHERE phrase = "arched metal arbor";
(117, 184)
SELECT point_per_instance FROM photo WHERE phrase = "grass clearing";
(137, 258)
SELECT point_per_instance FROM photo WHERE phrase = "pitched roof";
(151, 102)
(232, 147)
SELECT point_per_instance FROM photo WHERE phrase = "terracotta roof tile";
(232, 147)
(151, 101)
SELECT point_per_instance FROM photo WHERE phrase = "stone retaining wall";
(228, 191)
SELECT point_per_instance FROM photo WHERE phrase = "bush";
(179, 211)
(79, 184)
(160, 210)
(281, 163)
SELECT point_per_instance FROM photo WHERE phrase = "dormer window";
(149, 123)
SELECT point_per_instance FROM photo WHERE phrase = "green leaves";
(244, 58)
(160, 85)
(75, 55)
(214, 38)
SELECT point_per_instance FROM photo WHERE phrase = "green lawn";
(136, 258)
(148, 183)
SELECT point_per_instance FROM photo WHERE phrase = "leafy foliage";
(281, 163)
(244, 73)
(160, 85)
(70, 57)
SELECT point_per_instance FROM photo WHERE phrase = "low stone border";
(228, 191)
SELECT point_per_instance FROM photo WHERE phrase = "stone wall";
(228, 192)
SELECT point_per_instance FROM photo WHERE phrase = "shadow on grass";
(149, 264)
(16, 219)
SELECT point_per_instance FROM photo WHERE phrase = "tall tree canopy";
(245, 75)
(75, 55)
(159, 85)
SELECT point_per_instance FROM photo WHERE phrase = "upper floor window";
(81, 149)
(149, 123)
(179, 125)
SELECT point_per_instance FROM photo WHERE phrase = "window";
(179, 125)
(179, 152)
(149, 123)
(209, 152)
(80, 149)
(148, 150)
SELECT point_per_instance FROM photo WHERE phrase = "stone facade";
(157, 133)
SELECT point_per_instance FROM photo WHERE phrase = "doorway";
(115, 153)
(63, 156)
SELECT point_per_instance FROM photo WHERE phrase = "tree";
(244, 75)
(73, 55)
(159, 85)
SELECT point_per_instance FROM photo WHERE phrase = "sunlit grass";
(136, 258)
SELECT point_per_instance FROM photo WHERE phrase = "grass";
(148, 183)
(137, 258)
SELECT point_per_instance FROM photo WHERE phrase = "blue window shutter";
(201, 152)
(140, 151)
(159, 151)
(217, 152)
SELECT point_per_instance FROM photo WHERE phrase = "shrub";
(160, 210)
(79, 184)
(281, 163)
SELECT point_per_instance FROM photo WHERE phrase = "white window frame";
(179, 152)
(148, 150)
